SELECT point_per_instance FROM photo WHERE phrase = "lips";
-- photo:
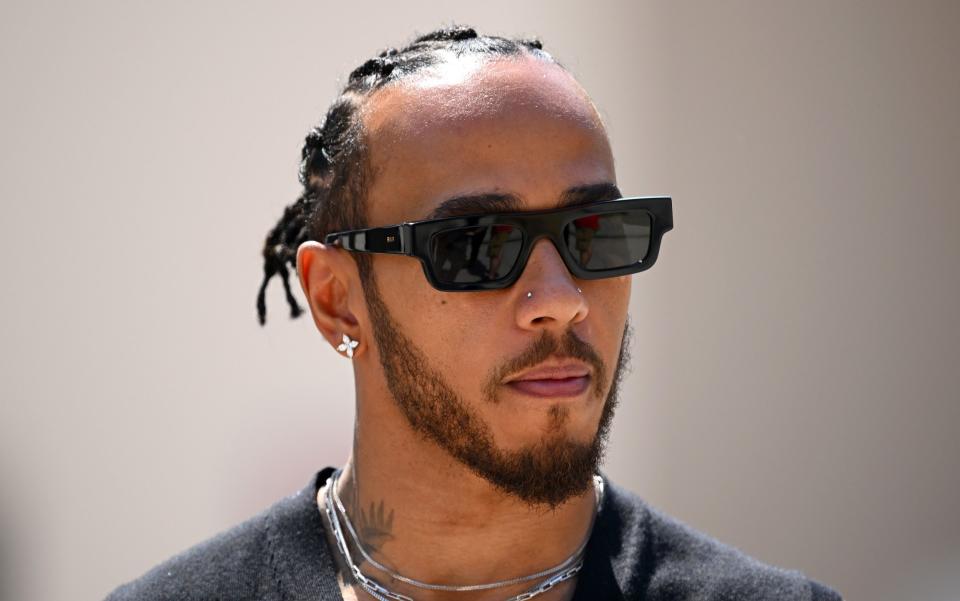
(552, 380)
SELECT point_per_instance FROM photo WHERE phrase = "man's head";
(519, 383)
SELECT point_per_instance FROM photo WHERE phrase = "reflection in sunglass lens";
(474, 254)
(609, 240)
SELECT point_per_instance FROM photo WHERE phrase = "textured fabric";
(635, 553)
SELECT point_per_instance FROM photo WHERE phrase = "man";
(462, 240)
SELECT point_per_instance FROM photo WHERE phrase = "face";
(518, 384)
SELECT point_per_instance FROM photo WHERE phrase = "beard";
(548, 472)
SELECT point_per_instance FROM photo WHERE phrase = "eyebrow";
(478, 204)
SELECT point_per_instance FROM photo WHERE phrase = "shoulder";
(667, 559)
(256, 559)
(224, 566)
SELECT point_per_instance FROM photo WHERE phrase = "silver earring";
(347, 346)
(530, 295)
(580, 291)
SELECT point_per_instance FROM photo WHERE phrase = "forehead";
(520, 127)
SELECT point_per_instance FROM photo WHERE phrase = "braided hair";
(333, 169)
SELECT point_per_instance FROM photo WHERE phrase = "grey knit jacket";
(635, 552)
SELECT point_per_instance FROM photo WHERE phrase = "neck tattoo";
(550, 577)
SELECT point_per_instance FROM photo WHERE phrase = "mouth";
(552, 380)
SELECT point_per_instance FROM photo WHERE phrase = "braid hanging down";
(332, 161)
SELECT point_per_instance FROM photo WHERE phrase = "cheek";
(452, 329)
(622, 296)
(406, 292)
(609, 303)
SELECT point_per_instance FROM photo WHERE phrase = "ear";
(325, 273)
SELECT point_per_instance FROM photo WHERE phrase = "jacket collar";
(300, 564)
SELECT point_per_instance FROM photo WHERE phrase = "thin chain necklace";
(561, 572)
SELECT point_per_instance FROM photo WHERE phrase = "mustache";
(567, 346)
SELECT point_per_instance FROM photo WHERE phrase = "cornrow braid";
(333, 167)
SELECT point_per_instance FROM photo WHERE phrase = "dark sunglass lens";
(609, 240)
(469, 255)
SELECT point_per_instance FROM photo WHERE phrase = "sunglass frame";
(413, 238)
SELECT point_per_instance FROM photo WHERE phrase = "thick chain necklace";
(334, 508)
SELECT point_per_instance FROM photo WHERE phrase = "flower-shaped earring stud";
(347, 346)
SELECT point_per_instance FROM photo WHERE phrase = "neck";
(426, 516)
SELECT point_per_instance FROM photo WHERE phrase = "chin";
(549, 432)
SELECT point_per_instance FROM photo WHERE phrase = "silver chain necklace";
(561, 572)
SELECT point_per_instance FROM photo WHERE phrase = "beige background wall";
(796, 377)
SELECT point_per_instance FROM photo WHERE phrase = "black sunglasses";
(485, 252)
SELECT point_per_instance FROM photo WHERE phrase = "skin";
(516, 126)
